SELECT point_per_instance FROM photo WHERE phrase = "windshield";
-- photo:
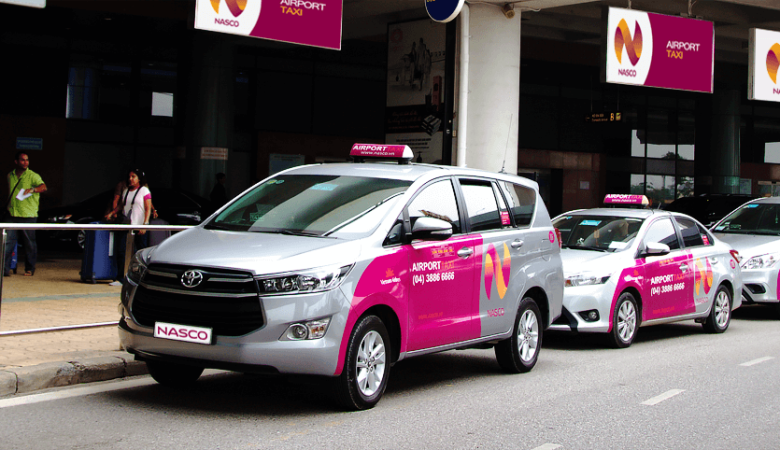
(599, 233)
(753, 218)
(313, 205)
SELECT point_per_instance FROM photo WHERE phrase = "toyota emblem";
(192, 278)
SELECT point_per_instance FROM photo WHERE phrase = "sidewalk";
(54, 297)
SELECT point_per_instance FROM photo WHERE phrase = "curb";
(23, 380)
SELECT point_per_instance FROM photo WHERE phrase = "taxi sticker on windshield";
(753, 205)
(275, 182)
(324, 187)
(590, 223)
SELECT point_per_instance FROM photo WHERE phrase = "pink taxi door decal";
(442, 292)
(668, 281)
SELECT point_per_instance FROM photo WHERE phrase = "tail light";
(558, 235)
(735, 255)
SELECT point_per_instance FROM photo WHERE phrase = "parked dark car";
(708, 208)
(175, 206)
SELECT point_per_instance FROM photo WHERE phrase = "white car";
(754, 230)
(341, 270)
(626, 268)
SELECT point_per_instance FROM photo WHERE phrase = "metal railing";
(75, 227)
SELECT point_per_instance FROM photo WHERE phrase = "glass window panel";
(637, 183)
(686, 135)
(660, 189)
(637, 146)
(436, 200)
(481, 205)
(772, 152)
(662, 231)
(684, 187)
(691, 233)
(661, 138)
(162, 104)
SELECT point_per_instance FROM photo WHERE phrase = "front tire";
(366, 367)
(720, 313)
(173, 375)
(625, 321)
(519, 353)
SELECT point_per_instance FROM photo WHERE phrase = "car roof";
(621, 212)
(408, 172)
(766, 200)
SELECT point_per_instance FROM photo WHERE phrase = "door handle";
(516, 244)
(684, 267)
(465, 252)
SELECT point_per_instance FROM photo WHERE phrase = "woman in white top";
(136, 205)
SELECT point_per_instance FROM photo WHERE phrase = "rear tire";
(720, 313)
(366, 367)
(625, 321)
(519, 353)
(173, 375)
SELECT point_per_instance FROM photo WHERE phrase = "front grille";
(226, 301)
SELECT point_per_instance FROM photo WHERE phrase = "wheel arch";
(540, 297)
(390, 319)
(637, 297)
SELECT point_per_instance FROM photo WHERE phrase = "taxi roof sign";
(402, 153)
(626, 199)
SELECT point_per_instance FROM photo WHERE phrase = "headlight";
(305, 282)
(137, 266)
(585, 279)
(761, 261)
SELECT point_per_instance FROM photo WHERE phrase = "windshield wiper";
(215, 226)
(349, 221)
(586, 247)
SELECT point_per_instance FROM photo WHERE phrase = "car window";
(320, 205)
(753, 218)
(436, 200)
(662, 231)
(691, 234)
(522, 202)
(481, 205)
(594, 232)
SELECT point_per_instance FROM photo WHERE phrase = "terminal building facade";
(92, 88)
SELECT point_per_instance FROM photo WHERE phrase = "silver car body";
(676, 286)
(432, 295)
(759, 250)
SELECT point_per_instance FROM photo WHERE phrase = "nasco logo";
(773, 61)
(703, 273)
(236, 7)
(633, 46)
(498, 268)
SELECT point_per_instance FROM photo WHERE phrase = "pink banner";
(655, 50)
(315, 23)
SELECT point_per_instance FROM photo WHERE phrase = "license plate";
(185, 333)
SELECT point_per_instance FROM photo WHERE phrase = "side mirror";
(656, 249)
(431, 229)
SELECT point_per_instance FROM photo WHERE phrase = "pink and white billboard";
(654, 50)
(764, 63)
(314, 23)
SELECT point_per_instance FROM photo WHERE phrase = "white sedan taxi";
(625, 268)
(754, 230)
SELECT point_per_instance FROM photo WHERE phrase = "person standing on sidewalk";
(25, 188)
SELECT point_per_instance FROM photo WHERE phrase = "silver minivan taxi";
(627, 268)
(341, 270)
(753, 229)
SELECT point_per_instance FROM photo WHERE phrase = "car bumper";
(759, 286)
(262, 350)
(583, 299)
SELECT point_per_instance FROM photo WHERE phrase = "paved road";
(675, 388)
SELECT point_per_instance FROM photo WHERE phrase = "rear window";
(522, 202)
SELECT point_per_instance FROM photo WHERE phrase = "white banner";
(763, 65)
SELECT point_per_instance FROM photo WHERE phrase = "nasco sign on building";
(764, 62)
(316, 23)
(655, 50)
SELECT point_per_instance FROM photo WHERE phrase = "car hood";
(575, 261)
(749, 245)
(259, 253)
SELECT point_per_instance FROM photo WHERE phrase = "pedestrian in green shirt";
(25, 187)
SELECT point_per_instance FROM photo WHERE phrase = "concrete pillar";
(717, 144)
(208, 109)
(493, 89)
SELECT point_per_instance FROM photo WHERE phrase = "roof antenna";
(506, 149)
